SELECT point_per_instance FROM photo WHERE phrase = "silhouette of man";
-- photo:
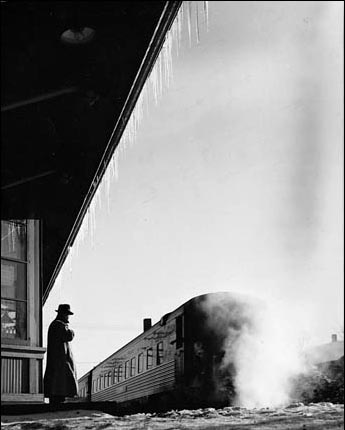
(60, 379)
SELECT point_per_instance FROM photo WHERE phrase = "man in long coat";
(60, 379)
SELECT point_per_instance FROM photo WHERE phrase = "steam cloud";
(260, 344)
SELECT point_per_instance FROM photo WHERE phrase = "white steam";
(261, 345)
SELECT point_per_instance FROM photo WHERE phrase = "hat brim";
(65, 312)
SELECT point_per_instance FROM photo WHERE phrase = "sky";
(234, 183)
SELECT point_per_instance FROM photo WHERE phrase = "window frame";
(149, 366)
(127, 369)
(132, 368)
(25, 262)
(159, 353)
(115, 375)
(120, 375)
(32, 280)
(140, 369)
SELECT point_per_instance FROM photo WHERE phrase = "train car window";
(133, 366)
(179, 332)
(140, 362)
(159, 356)
(149, 358)
(127, 369)
(120, 374)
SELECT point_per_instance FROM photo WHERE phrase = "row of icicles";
(192, 17)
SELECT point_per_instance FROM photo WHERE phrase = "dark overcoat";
(60, 378)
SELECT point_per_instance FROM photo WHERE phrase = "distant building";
(326, 352)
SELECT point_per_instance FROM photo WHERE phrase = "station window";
(159, 356)
(119, 373)
(115, 379)
(133, 366)
(93, 386)
(140, 362)
(14, 267)
(149, 358)
(127, 369)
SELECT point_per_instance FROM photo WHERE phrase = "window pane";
(127, 369)
(159, 353)
(13, 240)
(120, 373)
(13, 319)
(132, 366)
(149, 358)
(13, 280)
(140, 362)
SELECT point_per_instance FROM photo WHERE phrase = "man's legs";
(56, 400)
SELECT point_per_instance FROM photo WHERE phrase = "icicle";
(107, 177)
(157, 82)
(206, 15)
(197, 22)
(174, 33)
(69, 258)
(160, 76)
(189, 22)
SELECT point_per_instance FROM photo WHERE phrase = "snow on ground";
(322, 416)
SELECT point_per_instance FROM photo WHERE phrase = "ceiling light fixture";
(78, 36)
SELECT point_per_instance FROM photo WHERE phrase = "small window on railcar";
(133, 366)
(179, 332)
(120, 374)
(140, 362)
(159, 356)
(149, 358)
(127, 369)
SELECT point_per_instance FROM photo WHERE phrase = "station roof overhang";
(64, 105)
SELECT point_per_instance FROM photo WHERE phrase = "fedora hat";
(64, 309)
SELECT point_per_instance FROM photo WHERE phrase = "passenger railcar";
(177, 361)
